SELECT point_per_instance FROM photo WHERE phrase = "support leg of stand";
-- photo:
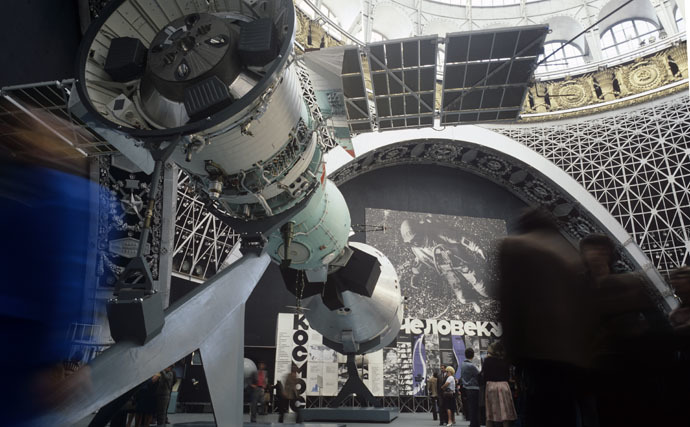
(354, 385)
(223, 361)
(212, 312)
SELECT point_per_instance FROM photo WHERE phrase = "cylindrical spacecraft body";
(321, 230)
(220, 76)
(217, 79)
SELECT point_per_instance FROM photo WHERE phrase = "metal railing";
(44, 106)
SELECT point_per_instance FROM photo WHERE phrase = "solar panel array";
(403, 77)
(354, 92)
(486, 75)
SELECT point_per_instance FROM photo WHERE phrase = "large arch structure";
(522, 171)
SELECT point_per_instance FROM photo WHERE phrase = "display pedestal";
(260, 424)
(370, 415)
(375, 413)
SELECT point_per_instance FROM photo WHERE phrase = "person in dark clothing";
(164, 383)
(258, 386)
(282, 401)
(442, 413)
(548, 316)
(629, 315)
(433, 394)
(469, 380)
(145, 403)
(290, 390)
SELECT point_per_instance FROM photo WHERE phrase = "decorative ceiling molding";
(643, 75)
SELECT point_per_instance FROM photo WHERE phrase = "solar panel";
(403, 77)
(487, 73)
(354, 92)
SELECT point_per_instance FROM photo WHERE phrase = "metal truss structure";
(123, 193)
(323, 131)
(404, 403)
(202, 241)
(635, 163)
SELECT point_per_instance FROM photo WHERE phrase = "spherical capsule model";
(362, 324)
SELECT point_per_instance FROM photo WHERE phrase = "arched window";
(680, 22)
(568, 57)
(627, 36)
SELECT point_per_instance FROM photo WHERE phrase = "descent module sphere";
(217, 79)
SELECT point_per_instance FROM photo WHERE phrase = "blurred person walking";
(499, 398)
(548, 318)
(290, 392)
(629, 315)
(163, 381)
(258, 385)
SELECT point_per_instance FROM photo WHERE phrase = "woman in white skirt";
(449, 395)
(499, 398)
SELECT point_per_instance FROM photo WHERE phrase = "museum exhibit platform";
(377, 415)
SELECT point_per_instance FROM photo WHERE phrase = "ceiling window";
(332, 31)
(568, 57)
(627, 36)
(487, 3)
(376, 37)
(680, 22)
(456, 2)
(484, 3)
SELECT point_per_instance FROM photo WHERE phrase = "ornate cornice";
(645, 74)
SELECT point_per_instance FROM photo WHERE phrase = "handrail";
(589, 67)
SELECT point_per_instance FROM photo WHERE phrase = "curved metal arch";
(525, 173)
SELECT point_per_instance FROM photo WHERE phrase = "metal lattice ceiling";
(637, 164)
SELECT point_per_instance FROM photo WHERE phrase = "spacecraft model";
(212, 86)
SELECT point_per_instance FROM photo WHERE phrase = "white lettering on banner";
(482, 331)
(430, 327)
(453, 327)
(443, 327)
(456, 327)
(417, 326)
(299, 354)
(406, 325)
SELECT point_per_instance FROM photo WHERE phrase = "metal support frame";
(354, 385)
(219, 334)
(326, 139)
(138, 269)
